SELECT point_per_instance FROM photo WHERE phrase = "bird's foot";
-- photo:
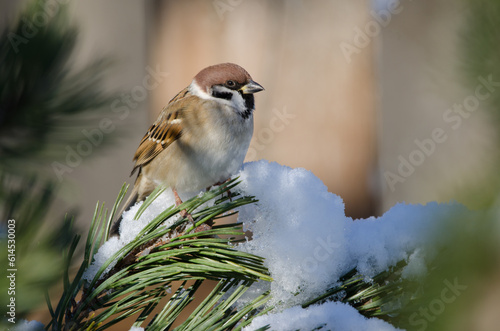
(229, 195)
(184, 213)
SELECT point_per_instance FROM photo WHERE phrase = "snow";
(333, 316)
(301, 230)
(297, 225)
(130, 228)
(24, 325)
(308, 242)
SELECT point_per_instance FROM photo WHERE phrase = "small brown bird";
(200, 138)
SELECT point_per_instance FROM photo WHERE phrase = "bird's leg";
(203, 227)
(183, 212)
(229, 195)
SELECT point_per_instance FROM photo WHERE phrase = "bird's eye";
(230, 83)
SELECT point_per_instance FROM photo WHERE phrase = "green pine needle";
(148, 265)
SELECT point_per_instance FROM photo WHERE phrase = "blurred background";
(348, 90)
(385, 101)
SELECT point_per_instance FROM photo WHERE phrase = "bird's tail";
(132, 199)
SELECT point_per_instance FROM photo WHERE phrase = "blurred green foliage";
(44, 105)
(457, 279)
(468, 258)
(480, 47)
(479, 60)
(479, 54)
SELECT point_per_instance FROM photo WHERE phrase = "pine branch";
(159, 255)
(144, 270)
(372, 297)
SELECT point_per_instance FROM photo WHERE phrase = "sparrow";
(200, 138)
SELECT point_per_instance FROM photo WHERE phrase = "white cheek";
(196, 90)
(236, 101)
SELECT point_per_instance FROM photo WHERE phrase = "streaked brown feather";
(164, 131)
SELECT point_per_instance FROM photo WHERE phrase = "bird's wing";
(164, 131)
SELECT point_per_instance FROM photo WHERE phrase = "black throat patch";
(249, 105)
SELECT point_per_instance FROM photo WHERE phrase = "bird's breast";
(211, 151)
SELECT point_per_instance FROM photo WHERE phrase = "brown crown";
(221, 73)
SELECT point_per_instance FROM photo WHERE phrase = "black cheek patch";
(222, 95)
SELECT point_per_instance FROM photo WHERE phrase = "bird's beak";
(251, 87)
